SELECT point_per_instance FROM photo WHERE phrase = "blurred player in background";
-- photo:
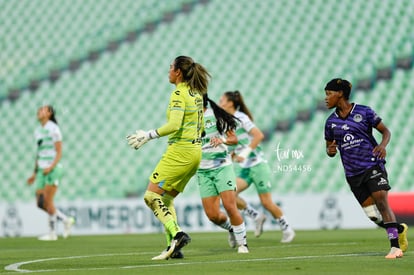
(252, 168)
(48, 171)
(349, 130)
(180, 162)
(216, 177)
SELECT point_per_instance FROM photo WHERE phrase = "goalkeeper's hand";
(140, 138)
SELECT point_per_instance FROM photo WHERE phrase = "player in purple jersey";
(349, 130)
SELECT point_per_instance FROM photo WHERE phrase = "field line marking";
(16, 266)
(259, 260)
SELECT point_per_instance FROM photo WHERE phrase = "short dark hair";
(339, 84)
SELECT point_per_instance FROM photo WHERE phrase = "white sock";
(52, 223)
(226, 225)
(240, 234)
(61, 216)
(251, 212)
(284, 225)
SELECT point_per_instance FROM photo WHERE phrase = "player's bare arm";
(379, 150)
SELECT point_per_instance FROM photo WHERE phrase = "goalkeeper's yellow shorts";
(176, 167)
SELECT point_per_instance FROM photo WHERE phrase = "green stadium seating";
(280, 63)
(45, 35)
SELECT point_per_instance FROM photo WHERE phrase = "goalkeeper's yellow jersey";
(185, 113)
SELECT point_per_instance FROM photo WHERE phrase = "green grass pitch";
(312, 252)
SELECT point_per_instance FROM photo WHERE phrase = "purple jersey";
(354, 138)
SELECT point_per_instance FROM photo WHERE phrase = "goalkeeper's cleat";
(394, 253)
(288, 235)
(165, 255)
(402, 238)
(232, 239)
(68, 226)
(180, 240)
(259, 225)
(243, 249)
(48, 237)
(177, 255)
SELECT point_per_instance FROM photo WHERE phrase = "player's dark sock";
(400, 228)
(381, 224)
(392, 233)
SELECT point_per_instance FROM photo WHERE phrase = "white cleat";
(243, 249)
(288, 236)
(232, 239)
(68, 226)
(48, 237)
(259, 225)
(163, 256)
(180, 240)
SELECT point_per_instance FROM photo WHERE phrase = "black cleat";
(177, 255)
(180, 240)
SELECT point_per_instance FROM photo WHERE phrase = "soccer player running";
(48, 171)
(216, 177)
(252, 168)
(182, 158)
(349, 130)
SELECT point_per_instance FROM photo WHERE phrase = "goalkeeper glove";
(141, 137)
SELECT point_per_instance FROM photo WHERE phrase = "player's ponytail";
(52, 113)
(238, 102)
(225, 121)
(194, 74)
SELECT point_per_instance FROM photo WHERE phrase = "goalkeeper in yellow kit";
(180, 162)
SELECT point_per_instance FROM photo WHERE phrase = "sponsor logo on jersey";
(350, 142)
(348, 137)
(209, 124)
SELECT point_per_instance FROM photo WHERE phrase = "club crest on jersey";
(358, 118)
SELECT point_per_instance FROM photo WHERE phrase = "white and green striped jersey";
(244, 126)
(212, 157)
(46, 136)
